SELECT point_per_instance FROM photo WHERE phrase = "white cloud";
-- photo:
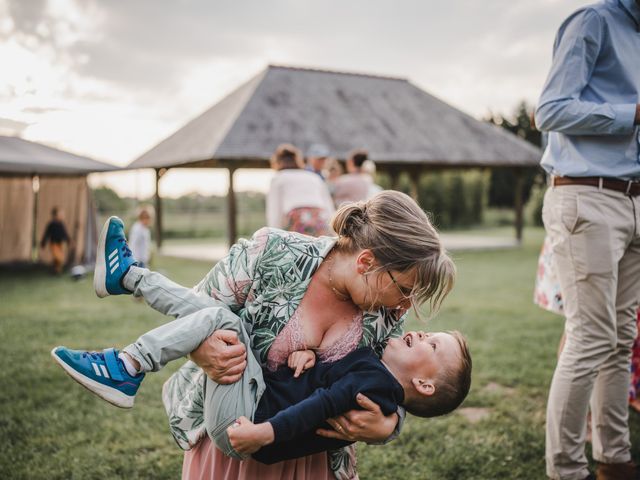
(111, 79)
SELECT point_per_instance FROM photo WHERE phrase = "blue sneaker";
(100, 372)
(113, 259)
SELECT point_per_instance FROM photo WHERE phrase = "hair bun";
(350, 219)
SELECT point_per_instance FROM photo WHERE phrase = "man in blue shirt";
(316, 158)
(589, 106)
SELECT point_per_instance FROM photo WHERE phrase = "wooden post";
(394, 174)
(231, 210)
(415, 183)
(158, 205)
(518, 203)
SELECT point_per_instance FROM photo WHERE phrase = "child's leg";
(106, 376)
(223, 404)
(181, 336)
(164, 295)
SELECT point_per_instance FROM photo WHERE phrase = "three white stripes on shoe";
(113, 261)
(98, 371)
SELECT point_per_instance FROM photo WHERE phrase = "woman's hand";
(222, 357)
(368, 425)
(246, 437)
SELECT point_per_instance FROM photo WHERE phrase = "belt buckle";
(628, 189)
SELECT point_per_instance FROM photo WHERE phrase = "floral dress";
(547, 291)
(263, 280)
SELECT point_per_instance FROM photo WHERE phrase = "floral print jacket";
(263, 280)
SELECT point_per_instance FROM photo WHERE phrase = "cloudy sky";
(110, 79)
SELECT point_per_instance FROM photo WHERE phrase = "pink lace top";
(291, 338)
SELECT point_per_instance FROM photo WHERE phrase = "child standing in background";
(140, 237)
(55, 234)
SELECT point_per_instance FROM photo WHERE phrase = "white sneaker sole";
(100, 273)
(111, 395)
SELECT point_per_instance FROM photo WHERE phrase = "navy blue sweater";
(296, 407)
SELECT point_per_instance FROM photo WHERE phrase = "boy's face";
(421, 355)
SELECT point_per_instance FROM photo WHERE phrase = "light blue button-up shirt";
(588, 103)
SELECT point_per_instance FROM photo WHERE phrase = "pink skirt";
(205, 462)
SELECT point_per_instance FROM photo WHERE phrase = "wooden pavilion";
(404, 129)
(61, 179)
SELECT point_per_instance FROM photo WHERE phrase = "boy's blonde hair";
(452, 386)
(145, 211)
(401, 237)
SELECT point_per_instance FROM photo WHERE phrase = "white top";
(296, 188)
(140, 242)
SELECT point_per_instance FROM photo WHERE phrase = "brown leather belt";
(628, 187)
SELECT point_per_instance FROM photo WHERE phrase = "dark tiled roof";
(396, 121)
(19, 156)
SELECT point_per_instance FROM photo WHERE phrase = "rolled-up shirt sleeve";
(561, 107)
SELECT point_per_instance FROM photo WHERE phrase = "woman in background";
(298, 200)
(356, 184)
(330, 294)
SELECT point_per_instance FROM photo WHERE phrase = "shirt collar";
(632, 8)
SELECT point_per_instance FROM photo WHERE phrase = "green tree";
(108, 201)
(501, 191)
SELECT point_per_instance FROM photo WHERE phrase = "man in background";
(589, 106)
(316, 158)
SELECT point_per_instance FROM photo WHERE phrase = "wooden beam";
(414, 175)
(158, 205)
(518, 203)
(394, 175)
(231, 210)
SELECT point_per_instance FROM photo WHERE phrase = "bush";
(534, 207)
(453, 198)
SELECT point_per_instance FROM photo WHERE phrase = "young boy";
(140, 237)
(56, 234)
(429, 374)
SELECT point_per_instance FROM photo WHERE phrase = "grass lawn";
(51, 428)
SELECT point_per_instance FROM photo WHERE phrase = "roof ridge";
(335, 72)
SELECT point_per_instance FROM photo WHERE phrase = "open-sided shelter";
(35, 178)
(404, 129)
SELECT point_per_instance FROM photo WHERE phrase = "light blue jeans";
(197, 317)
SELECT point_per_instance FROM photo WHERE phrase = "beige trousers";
(596, 248)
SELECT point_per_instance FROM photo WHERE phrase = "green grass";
(51, 428)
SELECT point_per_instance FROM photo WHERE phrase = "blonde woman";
(298, 199)
(296, 292)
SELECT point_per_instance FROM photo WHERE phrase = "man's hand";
(368, 425)
(246, 437)
(222, 357)
(301, 360)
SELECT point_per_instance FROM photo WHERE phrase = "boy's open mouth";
(408, 339)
